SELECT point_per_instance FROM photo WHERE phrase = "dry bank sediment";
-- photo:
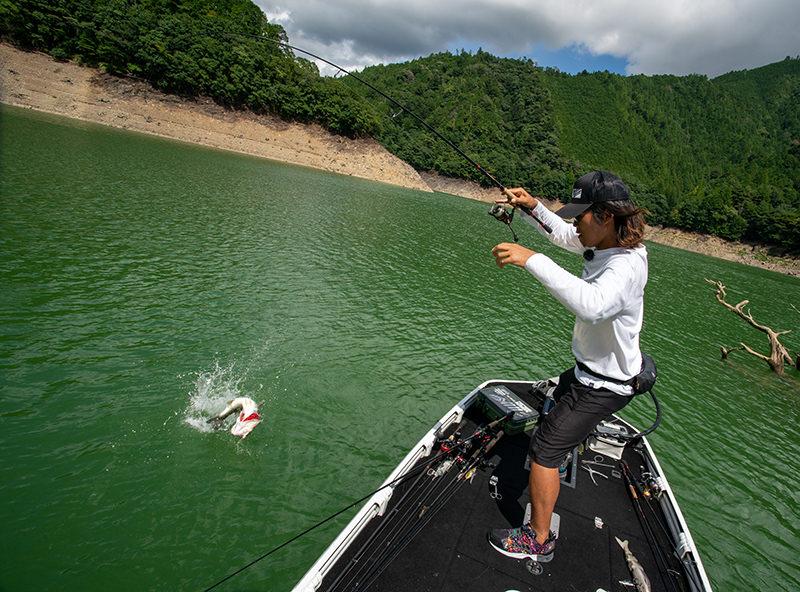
(34, 80)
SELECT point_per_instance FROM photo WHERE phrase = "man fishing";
(607, 301)
(246, 421)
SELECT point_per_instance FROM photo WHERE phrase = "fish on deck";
(637, 571)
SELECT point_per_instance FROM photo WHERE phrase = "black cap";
(594, 187)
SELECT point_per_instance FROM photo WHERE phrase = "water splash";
(211, 393)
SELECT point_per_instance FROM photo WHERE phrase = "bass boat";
(617, 522)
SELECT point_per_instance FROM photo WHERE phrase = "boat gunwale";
(376, 504)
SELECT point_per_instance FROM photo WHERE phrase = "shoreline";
(34, 80)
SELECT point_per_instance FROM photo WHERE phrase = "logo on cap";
(576, 193)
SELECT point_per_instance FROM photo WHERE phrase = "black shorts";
(579, 408)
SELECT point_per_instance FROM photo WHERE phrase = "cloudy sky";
(680, 37)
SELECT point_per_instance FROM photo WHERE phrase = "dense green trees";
(496, 110)
(715, 156)
(718, 156)
(178, 46)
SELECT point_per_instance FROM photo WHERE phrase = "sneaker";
(521, 542)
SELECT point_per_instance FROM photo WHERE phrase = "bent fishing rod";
(497, 211)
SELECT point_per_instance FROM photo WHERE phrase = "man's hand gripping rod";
(528, 211)
(506, 217)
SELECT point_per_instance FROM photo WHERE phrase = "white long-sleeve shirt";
(607, 300)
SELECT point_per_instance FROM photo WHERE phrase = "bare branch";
(779, 355)
(755, 353)
(725, 351)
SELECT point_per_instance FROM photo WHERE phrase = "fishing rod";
(435, 468)
(377, 552)
(497, 211)
(400, 479)
(475, 461)
(662, 564)
(649, 491)
(416, 507)
(408, 475)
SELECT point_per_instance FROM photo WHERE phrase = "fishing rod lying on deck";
(500, 213)
(486, 437)
(411, 516)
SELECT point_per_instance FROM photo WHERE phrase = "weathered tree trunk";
(779, 355)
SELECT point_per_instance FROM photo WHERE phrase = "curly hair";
(628, 220)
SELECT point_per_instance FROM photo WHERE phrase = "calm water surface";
(146, 282)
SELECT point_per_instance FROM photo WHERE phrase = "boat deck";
(451, 551)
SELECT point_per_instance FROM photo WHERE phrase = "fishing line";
(411, 472)
(401, 478)
(394, 549)
(429, 127)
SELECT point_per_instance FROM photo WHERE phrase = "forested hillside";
(497, 110)
(715, 156)
(719, 156)
(175, 45)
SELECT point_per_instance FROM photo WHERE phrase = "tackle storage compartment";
(498, 400)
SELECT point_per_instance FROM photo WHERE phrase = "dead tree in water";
(779, 354)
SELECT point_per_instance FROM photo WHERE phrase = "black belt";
(586, 368)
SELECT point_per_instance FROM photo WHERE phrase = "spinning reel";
(505, 215)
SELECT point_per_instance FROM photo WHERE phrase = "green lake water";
(146, 282)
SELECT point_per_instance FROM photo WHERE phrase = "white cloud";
(654, 36)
